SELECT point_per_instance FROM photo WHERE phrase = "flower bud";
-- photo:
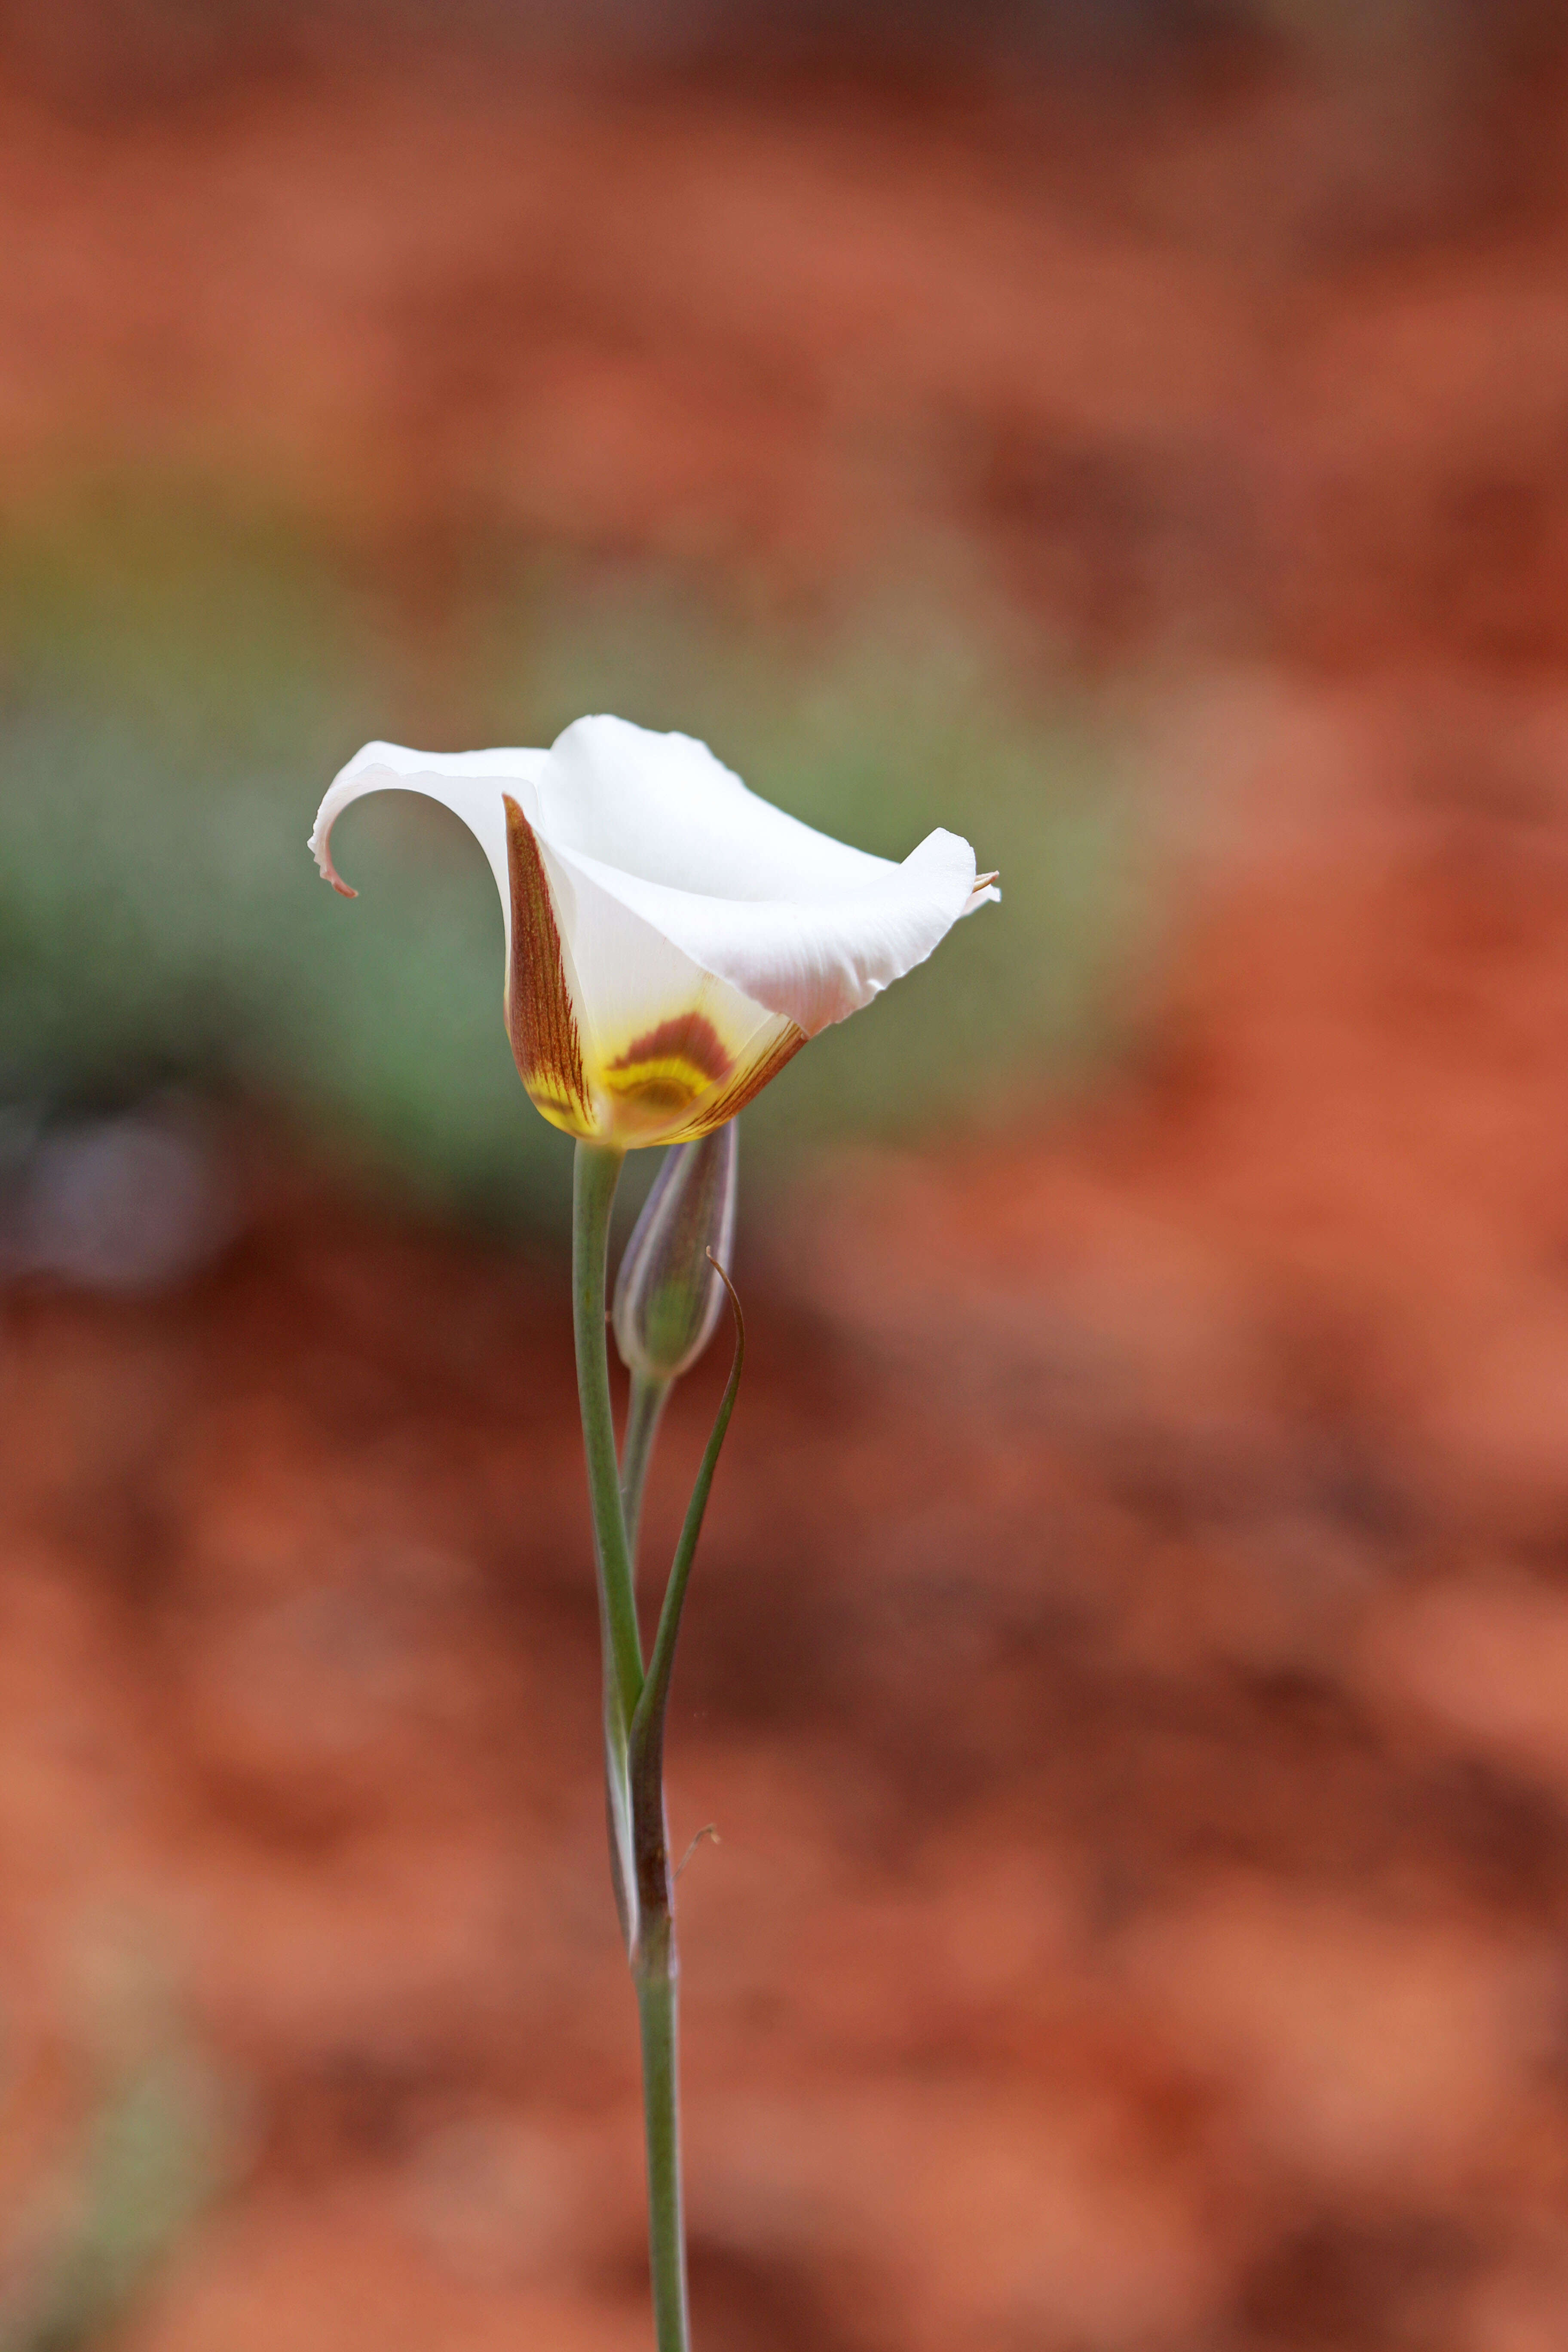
(668, 1296)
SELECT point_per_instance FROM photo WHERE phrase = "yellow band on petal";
(663, 1071)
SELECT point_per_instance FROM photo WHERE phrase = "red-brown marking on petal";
(667, 1069)
(749, 1082)
(689, 1037)
(541, 1021)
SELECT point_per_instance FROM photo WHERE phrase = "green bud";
(668, 1296)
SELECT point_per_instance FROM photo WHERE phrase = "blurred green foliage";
(177, 688)
(149, 2167)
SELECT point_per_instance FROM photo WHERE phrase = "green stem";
(594, 1178)
(647, 1720)
(595, 1175)
(657, 1975)
(635, 1707)
(648, 1398)
(654, 1962)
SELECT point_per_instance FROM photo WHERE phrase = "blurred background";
(1127, 1667)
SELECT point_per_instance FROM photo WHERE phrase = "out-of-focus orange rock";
(1357, 2049)
(1486, 1660)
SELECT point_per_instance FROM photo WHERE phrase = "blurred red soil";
(1129, 1667)
(1125, 351)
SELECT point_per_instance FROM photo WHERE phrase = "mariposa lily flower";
(671, 940)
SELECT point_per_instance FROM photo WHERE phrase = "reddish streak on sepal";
(540, 1015)
(749, 1081)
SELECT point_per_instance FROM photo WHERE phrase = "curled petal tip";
(983, 881)
(319, 847)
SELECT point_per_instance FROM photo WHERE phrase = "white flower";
(671, 940)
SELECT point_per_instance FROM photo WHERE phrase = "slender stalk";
(647, 1720)
(655, 1963)
(635, 1707)
(658, 1981)
(595, 1175)
(648, 1398)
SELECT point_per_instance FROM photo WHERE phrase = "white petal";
(470, 784)
(811, 959)
(629, 979)
(662, 807)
